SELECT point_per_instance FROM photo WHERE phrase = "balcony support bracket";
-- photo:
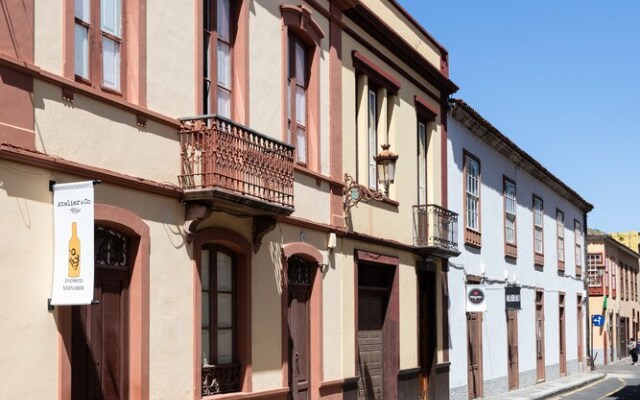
(260, 227)
(194, 213)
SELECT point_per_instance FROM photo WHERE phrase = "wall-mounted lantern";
(386, 163)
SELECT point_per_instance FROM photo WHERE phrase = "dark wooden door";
(427, 331)
(512, 348)
(371, 309)
(622, 338)
(580, 330)
(562, 338)
(99, 366)
(540, 376)
(299, 341)
(474, 354)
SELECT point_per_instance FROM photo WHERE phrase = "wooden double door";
(300, 275)
(99, 362)
(99, 332)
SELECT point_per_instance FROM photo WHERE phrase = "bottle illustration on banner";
(74, 252)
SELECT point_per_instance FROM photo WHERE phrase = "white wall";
(490, 263)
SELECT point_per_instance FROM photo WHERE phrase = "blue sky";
(559, 78)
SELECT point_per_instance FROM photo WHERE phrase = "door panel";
(512, 343)
(299, 342)
(370, 345)
(563, 342)
(540, 375)
(99, 366)
(427, 329)
(474, 354)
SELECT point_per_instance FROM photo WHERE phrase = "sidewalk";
(551, 389)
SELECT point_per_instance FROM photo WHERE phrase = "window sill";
(306, 171)
(510, 250)
(472, 238)
(538, 259)
(264, 394)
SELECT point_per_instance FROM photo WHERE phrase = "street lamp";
(386, 164)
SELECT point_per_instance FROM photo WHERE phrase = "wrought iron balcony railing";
(217, 153)
(218, 379)
(435, 226)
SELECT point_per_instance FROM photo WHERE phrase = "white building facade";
(522, 232)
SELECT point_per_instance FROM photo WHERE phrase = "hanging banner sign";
(73, 243)
(476, 298)
(512, 297)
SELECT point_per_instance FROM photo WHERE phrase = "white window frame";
(472, 192)
(538, 225)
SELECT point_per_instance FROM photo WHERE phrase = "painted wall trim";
(38, 159)
(111, 99)
(305, 250)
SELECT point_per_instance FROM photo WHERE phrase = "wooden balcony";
(594, 280)
(235, 169)
(435, 231)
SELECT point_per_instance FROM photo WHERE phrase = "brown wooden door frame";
(562, 334)
(299, 341)
(369, 385)
(99, 363)
(379, 273)
(580, 330)
(512, 348)
(474, 355)
(300, 278)
(427, 330)
(539, 335)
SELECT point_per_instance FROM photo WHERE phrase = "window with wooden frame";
(634, 289)
(623, 282)
(577, 234)
(538, 231)
(217, 39)
(297, 97)
(472, 215)
(510, 206)
(375, 90)
(98, 43)
(422, 161)
(560, 238)
(607, 269)
(595, 280)
(301, 36)
(614, 275)
(221, 370)
(426, 117)
(372, 136)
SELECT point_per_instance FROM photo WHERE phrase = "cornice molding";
(388, 38)
(37, 159)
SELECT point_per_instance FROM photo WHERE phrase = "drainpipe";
(586, 287)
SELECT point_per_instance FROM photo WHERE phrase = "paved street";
(622, 382)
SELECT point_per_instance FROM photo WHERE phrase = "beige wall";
(171, 289)
(378, 219)
(28, 356)
(311, 199)
(27, 209)
(91, 132)
(48, 35)
(171, 57)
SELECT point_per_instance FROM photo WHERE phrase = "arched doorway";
(100, 332)
(303, 326)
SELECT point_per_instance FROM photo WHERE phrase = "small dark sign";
(476, 296)
(512, 297)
